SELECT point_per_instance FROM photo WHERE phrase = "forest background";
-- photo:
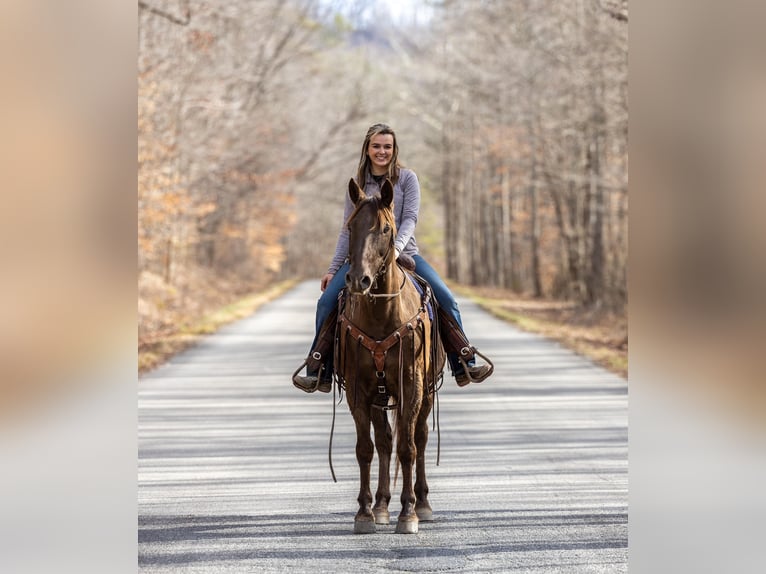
(513, 113)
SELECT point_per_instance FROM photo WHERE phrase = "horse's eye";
(386, 228)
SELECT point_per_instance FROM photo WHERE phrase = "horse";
(385, 351)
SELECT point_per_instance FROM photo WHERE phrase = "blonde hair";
(364, 160)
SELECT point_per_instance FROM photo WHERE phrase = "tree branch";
(167, 15)
(617, 9)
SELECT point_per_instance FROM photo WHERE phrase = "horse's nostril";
(357, 284)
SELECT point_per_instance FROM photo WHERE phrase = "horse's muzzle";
(358, 284)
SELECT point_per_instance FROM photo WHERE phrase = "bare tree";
(536, 130)
(513, 114)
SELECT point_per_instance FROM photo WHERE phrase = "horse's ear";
(387, 193)
(354, 192)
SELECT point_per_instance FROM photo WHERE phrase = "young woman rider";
(378, 162)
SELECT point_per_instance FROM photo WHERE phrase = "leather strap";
(380, 348)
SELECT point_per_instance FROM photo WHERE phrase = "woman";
(379, 161)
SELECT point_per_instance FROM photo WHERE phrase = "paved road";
(233, 473)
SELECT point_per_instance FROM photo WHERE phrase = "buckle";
(316, 355)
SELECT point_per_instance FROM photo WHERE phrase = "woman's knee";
(440, 290)
(449, 303)
(327, 302)
(323, 310)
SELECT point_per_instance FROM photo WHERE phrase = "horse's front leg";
(364, 521)
(408, 519)
(422, 507)
(383, 444)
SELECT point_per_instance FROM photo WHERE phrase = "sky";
(401, 11)
(405, 10)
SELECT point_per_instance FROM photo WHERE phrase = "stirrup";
(466, 351)
(316, 385)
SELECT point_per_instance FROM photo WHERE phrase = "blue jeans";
(329, 300)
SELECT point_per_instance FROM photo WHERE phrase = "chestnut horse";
(385, 351)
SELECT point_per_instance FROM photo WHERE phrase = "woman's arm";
(341, 247)
(410, 208)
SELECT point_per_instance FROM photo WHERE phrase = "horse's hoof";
(425, 514)
(381, 516)
(364, 527)
(407, 526)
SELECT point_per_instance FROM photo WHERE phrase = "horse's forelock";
(384, 214)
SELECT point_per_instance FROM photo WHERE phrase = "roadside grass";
(157, 350)
(597, 334)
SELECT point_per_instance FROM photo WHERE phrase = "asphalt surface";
(233, 471)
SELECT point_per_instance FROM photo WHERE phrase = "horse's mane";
(385, 214)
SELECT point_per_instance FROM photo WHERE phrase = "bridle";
(380, 272)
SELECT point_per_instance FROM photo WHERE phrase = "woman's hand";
(326, 281)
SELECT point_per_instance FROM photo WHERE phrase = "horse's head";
(371, 237)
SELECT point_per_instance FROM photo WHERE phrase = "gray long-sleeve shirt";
(406, 206)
